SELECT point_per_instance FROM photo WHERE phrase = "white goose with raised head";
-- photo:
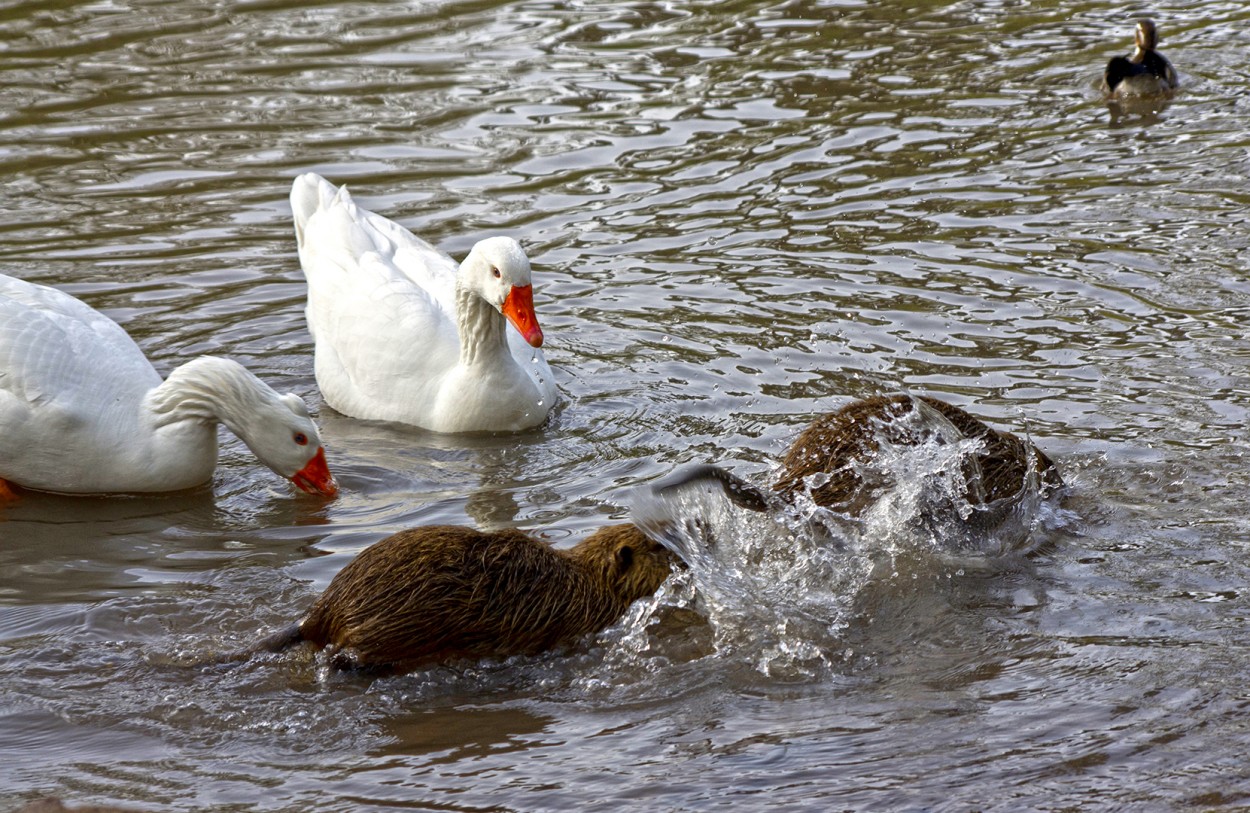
(401, 334)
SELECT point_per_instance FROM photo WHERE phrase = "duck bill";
(315, 477)
(518, 308)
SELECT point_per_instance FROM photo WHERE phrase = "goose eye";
(301, 438)
(494, 270)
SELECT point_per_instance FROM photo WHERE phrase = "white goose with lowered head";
(83, 411)
(401, 334)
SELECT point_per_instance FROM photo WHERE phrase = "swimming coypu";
(833, 443)
(438, 592)
(825, 459)
(1145, 72)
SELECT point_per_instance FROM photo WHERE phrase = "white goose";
(401, 335)
(83, 411)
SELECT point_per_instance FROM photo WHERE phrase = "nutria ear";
(624, 558)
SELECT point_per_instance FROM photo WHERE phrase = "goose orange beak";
(519, 310)
(315, 477)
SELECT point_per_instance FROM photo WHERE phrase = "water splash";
(773, 594)
(779, 590)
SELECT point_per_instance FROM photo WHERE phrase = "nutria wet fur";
(438, 592)
(832, 444)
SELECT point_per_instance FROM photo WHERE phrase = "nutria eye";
(495, 271)
(301, 438)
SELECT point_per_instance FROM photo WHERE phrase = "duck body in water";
(1145, 72)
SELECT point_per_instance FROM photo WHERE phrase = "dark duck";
(1145, 72)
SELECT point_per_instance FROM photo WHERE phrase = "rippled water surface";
(740, 214)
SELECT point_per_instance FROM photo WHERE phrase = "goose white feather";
(402, 334)
(82, 410)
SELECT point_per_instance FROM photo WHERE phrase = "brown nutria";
(438, 592)
(832, 444)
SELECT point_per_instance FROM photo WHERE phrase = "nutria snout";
(439, 592)
(834, 446)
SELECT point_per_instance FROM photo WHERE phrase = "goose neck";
(481, 328)
(207, 390)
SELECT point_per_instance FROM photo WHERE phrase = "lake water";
(740, 214)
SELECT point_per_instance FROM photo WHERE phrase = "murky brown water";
(740, 214)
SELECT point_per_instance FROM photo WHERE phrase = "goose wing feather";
(70, 378)
(362, 301)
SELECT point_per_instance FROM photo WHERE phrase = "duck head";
(499, 272)
(1146, 38)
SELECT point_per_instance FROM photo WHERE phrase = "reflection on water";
(739, 215)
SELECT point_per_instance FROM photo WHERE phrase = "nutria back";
(834, 444)
(447, 591)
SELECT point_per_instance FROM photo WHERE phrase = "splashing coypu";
(439, 592)
(832, 444)
(826, 459)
